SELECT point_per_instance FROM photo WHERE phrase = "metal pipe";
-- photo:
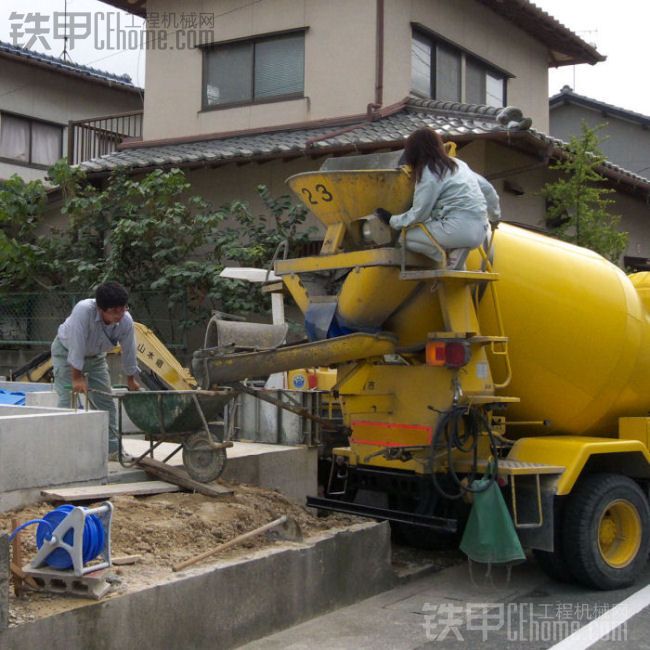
(303, 412)
(379, 55)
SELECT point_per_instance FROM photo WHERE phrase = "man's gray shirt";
(85, 334)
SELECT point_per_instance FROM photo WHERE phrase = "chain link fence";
(33, 318)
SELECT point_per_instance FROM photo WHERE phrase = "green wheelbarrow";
(192, 418)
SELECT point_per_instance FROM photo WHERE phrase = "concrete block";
(4, 581)
(290, 470)
(49, 447)
(25, 386)
(45, 398)
(230, 604)
(43, 394)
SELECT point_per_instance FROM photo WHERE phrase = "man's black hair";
(111, 294)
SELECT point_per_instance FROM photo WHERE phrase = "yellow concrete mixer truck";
(530, 365)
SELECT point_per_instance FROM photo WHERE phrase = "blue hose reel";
(70, 537)
(93, 538)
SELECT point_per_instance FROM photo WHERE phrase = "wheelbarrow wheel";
(202, 463)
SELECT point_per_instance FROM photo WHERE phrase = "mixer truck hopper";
(532, 366)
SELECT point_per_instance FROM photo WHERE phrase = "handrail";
(98, 136)
(436, 245)
(487, 266)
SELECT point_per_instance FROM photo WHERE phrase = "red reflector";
(457, 355)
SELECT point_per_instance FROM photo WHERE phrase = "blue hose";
(30, 523)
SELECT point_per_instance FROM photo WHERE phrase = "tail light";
(450, 354)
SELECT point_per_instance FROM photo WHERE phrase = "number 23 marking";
(325, 195)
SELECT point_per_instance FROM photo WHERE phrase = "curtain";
(14, 138)
(46, 143)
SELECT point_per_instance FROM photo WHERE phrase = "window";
(438, 70)
(255, 70)
(31, 142)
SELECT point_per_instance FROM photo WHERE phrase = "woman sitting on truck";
(450, 200)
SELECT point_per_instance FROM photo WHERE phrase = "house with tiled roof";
(625, 134)
(273, 87)
(41, 95)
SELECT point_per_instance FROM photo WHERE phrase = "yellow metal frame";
(572, 453)
(434, 242)
(374, 257)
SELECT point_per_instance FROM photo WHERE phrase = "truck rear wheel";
(606, 531)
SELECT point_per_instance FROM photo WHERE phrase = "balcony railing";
(98, 136)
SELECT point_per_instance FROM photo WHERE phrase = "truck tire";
(606, 531)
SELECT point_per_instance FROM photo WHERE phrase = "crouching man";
(94, 327)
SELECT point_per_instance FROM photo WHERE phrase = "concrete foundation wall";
(227, 605)
(44, 447)
(293, 471)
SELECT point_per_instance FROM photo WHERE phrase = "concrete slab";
(36, 393)
(290, 470)
(45, 447)
(43, 394)
(230, 603)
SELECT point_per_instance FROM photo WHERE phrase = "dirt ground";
(164, 530)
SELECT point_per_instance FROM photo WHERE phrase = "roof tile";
(451, 118)
(60, 65)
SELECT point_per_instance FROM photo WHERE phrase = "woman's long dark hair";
(425, 147)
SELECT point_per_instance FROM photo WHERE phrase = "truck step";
(489, 399)
(514, 467)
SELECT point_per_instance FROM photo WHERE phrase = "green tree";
(23, 253)
(151, 234)
(578, 203)
(252, 240)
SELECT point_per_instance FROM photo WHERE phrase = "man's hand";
(79, 385)
(132, 383)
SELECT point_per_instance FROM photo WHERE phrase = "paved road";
(450, 610)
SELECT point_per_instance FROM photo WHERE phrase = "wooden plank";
(21, 576)
(17, 558)
(180, 477)
(96, 492)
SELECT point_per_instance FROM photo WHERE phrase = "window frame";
(31, 121)
(434, 39)
(253, 40)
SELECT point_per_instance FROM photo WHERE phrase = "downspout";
(379, 63)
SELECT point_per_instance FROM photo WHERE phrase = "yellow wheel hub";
(619, 534)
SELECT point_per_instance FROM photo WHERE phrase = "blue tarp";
(14, 399)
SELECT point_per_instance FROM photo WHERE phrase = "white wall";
(339, 60)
